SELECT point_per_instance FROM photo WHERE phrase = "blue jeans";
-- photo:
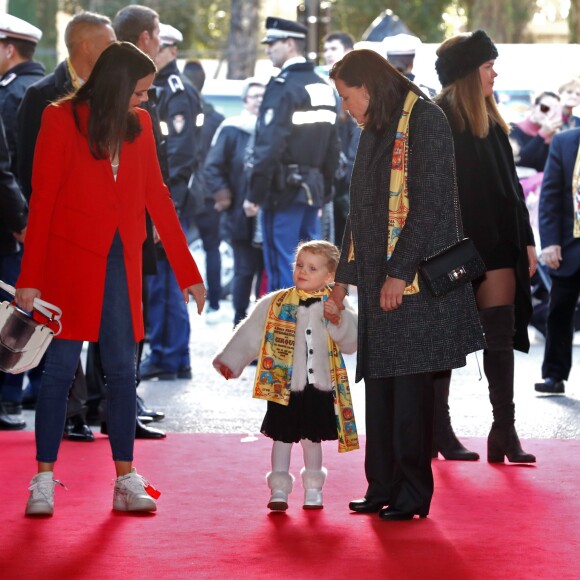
(283, 230)
(118, 353)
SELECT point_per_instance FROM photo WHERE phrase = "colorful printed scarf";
(276, 358)
(398, 192)
(576, 195)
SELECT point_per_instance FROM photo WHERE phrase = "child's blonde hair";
(321, 248)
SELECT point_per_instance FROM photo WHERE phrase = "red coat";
(75, 210)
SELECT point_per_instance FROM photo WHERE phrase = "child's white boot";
(280, 482)
(313, 481)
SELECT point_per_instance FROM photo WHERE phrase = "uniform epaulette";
(175, 83)
(5, 82)
(280, 80)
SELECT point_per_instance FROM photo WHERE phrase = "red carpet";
(486, 521)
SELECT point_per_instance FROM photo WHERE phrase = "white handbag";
(24, 340)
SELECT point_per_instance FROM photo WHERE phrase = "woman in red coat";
(95, 175)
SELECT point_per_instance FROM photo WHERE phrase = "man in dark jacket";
(18, 40)
(178, 107)
(559, 220)
(13, 215)
(296, 151)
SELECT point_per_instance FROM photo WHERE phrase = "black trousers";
(560, 326)
(399, 427)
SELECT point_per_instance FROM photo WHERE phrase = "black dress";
(309, 415)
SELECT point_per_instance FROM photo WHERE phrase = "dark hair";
(385, 85)
(343, 37)
(24, 48)
(193, 70)
(545, 94)
(108, 91)
(133, 20)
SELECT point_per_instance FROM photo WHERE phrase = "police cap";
(280, 29)
(168, 35)
(13, 27)
(401, 45)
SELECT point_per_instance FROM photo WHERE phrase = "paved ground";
(209, 403)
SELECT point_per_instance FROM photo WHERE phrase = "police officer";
(178, 106)
(400, 50)
(18, 41)
(296, 151)
(18, 70)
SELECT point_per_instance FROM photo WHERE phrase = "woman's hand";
(198, 292)
(392, 293)
(25, 298)
(532, 260)
(332, 311)
(223, 370)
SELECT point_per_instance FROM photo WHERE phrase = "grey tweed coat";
(425, 333)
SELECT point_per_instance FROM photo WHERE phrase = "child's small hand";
(332, 311)
(223, 370)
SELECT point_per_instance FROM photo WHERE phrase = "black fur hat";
(464, 57)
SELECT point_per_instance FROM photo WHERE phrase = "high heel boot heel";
(504, 442)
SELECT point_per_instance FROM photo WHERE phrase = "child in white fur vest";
(300, 371)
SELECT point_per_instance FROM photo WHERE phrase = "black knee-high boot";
(498, 365)
(444, 439)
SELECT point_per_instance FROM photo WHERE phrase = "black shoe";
(148, 414)
(12, 407)
(184, 373)
(149, 371)
(8, 423)
(143, 432)
(366, 506)
(395, 515)
(76, 429)
(550, 385)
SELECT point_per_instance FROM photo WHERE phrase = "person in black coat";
(495, 217)
(405, 333)
(13, 217)
(559, 221)
(226, 173)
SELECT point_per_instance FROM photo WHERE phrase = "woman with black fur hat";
(496, 219)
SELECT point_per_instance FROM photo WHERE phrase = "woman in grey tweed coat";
(402, 340)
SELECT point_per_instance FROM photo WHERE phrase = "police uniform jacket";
(13, 85)
(36, 98)
(13, 206)
(178, 107)
(77, 206)
(296, 126)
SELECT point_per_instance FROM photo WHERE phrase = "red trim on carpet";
(486, 521)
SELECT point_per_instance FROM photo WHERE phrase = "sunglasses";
(544, 108)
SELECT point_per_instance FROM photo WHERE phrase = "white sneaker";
(41, 500)
(130, 494)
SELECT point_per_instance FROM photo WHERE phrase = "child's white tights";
(281, 453)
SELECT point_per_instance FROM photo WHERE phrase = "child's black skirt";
(310, 415)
